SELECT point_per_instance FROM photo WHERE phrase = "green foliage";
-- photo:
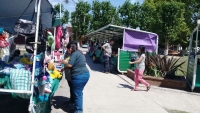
(166, 66)
(57, 8)
(150, 68)
(103, 13)
(80, 19)
(172, 20)
(65, 18)
(130, 14)
(147, 17)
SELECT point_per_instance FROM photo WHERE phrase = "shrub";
(150, 68)
(166, 66)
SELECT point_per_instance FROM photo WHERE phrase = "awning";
(132, 38)
(194, 34)
(107, 32)
(12, 9)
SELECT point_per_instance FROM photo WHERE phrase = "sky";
(71, 5)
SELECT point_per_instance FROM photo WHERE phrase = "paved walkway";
(108, 93)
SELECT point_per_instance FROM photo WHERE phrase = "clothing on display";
(59, 35)
(3, 41)
(50, 38)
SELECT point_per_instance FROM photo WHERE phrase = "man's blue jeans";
(106, 63)
(78, 84)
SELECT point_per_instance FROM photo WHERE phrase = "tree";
(104, 13)
(65, 18)
(96, 22)
(192, 12)
(130, 14)
(80, 19)
(170, 19)
(57, 8)
(109, 13)
(147, 16)
(125, 13)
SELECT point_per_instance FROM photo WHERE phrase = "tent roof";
(195, 33)
(12, 9)
(112, 31)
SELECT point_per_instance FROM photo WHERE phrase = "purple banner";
(132, 40)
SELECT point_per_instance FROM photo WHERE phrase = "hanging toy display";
(3, 36)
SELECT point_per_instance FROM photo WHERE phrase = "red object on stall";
(3, 42)
(59, 35)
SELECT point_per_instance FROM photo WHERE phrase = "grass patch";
(176, 111)
(183, 67)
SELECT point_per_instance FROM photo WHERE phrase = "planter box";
(161, 82)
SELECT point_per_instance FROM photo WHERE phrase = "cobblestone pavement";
(111, 93)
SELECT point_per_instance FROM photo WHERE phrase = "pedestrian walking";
(107, 54)
(140, 68)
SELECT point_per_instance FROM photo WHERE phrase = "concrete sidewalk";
(109, 93)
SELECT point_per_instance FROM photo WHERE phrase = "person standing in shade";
(140, 68)
(107, 54)
(79, 74)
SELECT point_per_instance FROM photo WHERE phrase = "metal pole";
(60, 8)
(195, 62)
(35, 53)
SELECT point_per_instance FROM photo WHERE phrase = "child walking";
(140, 69)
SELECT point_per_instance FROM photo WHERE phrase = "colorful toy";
(56, 74)
(44, 78)
(26, 61)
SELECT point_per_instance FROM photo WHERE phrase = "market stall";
(193, 68)
(32, 75)
(126, 45)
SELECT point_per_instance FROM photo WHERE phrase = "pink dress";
(59, 35)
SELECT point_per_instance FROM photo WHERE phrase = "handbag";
(23, 26)
(30, 46)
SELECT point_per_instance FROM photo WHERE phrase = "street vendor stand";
(11, 10)
(127, 46)
(193, 67)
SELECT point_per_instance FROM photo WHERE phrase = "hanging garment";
(59, 35)
(67, 38)
(50, 38)
(6, 54)
(3, 42)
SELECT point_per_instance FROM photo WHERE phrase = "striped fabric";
(20, 80)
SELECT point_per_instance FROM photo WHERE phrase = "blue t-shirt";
(78, 62)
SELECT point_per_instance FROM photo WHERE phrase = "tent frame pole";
(196, 58)
(31, 105)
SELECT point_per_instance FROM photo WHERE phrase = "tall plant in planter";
(150, 68)
(167, 66)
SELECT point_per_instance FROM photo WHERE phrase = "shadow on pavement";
(59, 103)
(126, 86)
(93, 66)
(12, 105)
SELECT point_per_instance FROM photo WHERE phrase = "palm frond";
(165, 65)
